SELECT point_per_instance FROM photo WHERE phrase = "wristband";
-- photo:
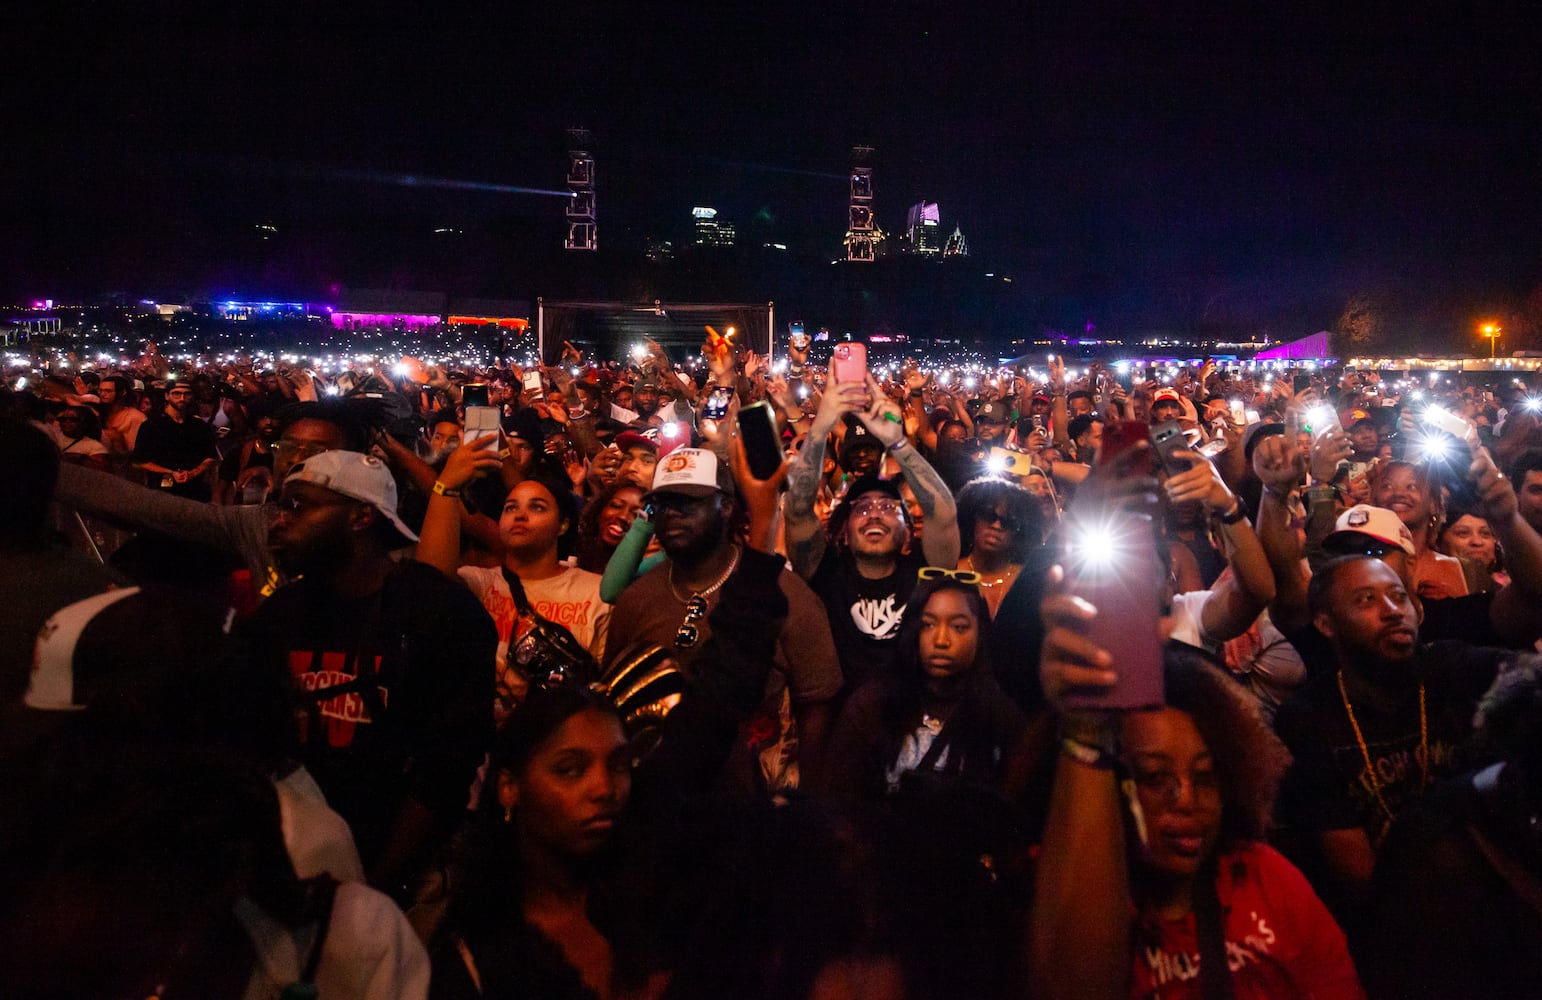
(1238, 512)
(1088, 754)
(441, 490)
(899, 445)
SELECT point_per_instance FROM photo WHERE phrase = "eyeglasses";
(296, 504)
(1007, 522)
(1168, 785)
(305, 449)
(868, 505)
(688, 635)
(966, 576)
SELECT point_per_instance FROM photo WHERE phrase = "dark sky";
(1230, 162)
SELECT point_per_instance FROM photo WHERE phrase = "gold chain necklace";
(1010, 574)
(1365, 752)
(709, 591)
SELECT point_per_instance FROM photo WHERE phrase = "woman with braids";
(1169, 889)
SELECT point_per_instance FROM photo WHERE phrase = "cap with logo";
(1166, 395)
(693, 472)
(992, 411)
(1363, 521)
(360, 477)
(1355, 416)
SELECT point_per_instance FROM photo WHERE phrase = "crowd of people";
(559, 680)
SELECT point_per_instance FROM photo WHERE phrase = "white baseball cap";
(362, 477)
(692, 471)
(1364, 521)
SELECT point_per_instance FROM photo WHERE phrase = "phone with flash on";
(1018, 463)
(532, 382)
(1110, 559)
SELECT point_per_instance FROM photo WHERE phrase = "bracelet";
(1088, 754)
(1238, 512)
(441, 490)
(899, 445)
(1281, 497)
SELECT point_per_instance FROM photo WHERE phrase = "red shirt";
(1280, 939)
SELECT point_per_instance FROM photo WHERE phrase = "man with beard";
(1369, 735)
(867, 575)
(176, 449)
(668, 606)
(121, 419)
(391, 693)
(242, 531)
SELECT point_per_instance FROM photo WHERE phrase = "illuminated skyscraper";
(956, 246)
(923, 229)
(710, 230)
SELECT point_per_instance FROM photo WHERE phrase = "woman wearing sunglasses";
(939, 711)
(999, 526)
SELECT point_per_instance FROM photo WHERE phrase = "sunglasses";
(863, 508)
(965, 576)
(1007, 522)
(688, 634)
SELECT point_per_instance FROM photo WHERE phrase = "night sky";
(1143, 167)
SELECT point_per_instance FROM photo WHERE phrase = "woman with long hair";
(939, 710)
(604, 523)
(1154, 879)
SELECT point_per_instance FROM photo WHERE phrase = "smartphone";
(1239, 415)
(474, 394)
(1010, 460)
(532, 382)
(716, 406)
(1168, 438)
(1301, 383)
(1111, 561)
(850, 363)
(1121, 450)
(482, 422)
(762, 443)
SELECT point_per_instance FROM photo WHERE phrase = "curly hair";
(1249, 759)
(987, 494)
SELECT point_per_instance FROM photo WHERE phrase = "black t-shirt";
(1328, 787)
(179, 446)
(864, 614)
(421, 728)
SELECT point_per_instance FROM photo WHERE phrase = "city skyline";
(1141, 166)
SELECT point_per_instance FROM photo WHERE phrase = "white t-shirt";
(571, 599)
(82, 446)
(317, 838)
(1188, 616)
(370, 951)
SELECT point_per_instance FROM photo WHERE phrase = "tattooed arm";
(804, 534)
(939, 541)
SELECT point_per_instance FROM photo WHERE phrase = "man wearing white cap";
(693, 502)
(387, 659)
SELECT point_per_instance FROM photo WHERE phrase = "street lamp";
(1491, 331)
